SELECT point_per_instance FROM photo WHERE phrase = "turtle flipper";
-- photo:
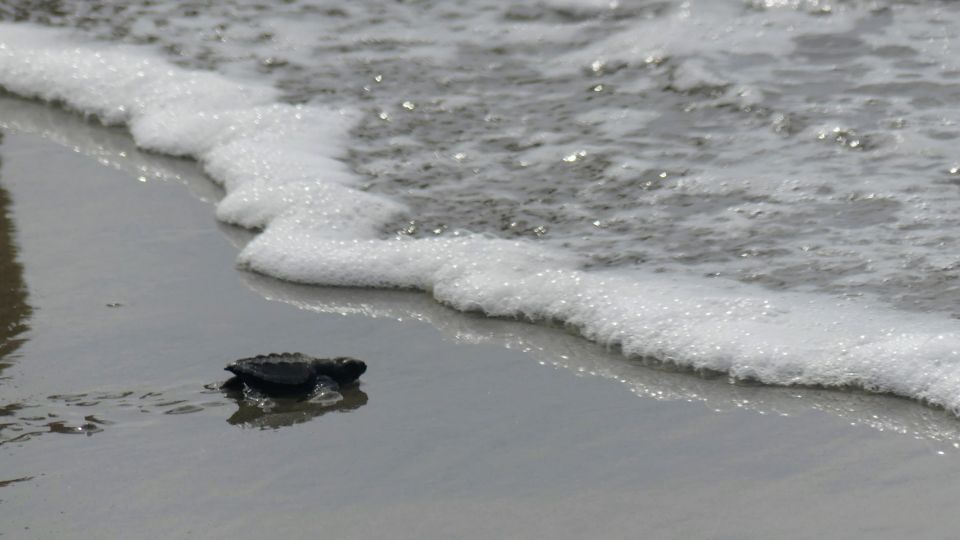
(258, 398)
(325, 392)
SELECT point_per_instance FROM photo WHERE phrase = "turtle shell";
(291, 369)
(295, 369)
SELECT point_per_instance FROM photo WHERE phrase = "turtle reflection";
(256, 410)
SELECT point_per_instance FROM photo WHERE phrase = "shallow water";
(112, 308)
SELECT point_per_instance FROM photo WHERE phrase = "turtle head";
(344, 370)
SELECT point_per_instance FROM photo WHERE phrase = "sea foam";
(283, 170)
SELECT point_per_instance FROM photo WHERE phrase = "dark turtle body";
(294, 373)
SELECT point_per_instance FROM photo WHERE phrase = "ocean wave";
(282, 167)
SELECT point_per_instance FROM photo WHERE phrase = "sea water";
(769, 189)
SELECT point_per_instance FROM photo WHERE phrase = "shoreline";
(470, 427)
(283, 168)
(109, 142)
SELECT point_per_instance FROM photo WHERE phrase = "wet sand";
(122, 304)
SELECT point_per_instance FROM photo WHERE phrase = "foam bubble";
(272, 158)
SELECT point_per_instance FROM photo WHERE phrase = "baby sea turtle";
(293, 373)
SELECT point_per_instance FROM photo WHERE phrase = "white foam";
(583, 5)
(699, 28)
(273, 158)
(280, 165)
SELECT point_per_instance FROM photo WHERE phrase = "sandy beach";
(463, 427)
